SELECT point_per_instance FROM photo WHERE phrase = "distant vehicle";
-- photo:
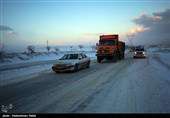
(110, 48)
(139, 52)
(71, 62)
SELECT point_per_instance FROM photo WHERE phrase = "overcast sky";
(64, 22)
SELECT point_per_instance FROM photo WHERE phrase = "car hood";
(63, 62)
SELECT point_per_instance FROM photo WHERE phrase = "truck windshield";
(107, 42)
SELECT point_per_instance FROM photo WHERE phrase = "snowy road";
(130, 85)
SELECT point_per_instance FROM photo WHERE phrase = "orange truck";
(110, 48)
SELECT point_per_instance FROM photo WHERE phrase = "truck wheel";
(119, 55)
(99, 59)
(109, 58)
(123, 56)
(115, 58)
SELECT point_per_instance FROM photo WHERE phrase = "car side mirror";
(80, 58)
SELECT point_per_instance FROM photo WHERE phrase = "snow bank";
(17, 75)
(42, 55)
(17, 58)
(163, 52)
(20, 74)
(165, 57)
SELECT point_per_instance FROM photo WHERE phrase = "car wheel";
(88, 65)
(53, 68)
(76, 68)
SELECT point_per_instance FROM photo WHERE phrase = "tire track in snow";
(81, 106)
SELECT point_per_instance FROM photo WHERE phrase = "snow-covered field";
(23, 58)
(127, 86)
(26, 72)
(17, 75)
(19, 72)
(41, 54)
(165, 57)
(162, 53)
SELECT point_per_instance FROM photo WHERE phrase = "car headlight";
(143, 53)
(135, 52)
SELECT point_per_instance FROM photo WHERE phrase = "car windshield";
(139, 49)
(69, 56)
(107, 42)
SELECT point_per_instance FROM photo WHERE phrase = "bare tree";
(31, 49)
(57, 49)
(80, 47)
(71, 48)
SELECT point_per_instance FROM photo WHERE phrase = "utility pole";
(47, 43)
(48, 47)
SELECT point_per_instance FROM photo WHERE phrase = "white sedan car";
(71, 62)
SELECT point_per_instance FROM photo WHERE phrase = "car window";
(84, 56)
(70, 56)
(80, 56)
(73, 56)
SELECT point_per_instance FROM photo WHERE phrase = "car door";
(80, 61)
(84, 60)
(87, 59)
